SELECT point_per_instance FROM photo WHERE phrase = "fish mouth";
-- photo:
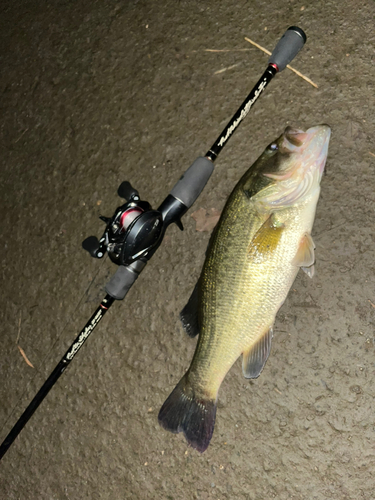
(304, 154)
(300, 138)
(319, 132)
(317, 142)
(295, 136)
(311, 144)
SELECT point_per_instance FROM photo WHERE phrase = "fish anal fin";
(266, 239)
(255, 358)
(189, 314)
(305, 256)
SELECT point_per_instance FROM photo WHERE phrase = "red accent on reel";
(128, 217)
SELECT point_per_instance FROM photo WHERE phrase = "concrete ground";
(94, 93)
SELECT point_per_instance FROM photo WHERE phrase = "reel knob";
(127, 192)
(92, 245)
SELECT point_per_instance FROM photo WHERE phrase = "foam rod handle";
(192, 182)
(288, 47)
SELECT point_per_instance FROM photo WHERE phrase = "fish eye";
(273, 147)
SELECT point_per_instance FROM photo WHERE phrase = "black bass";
(262, 239)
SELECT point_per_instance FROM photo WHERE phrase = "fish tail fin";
(194, 416)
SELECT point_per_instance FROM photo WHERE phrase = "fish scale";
(261, 241)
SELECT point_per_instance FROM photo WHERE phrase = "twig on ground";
(24, 356)
(222, 50)
(19, 347)
(226, 69)
(289, 67)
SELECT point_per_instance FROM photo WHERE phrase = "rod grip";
(288, 47)
(192, 182)
(123, 279)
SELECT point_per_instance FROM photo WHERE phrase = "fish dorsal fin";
(189, 314)
(305, 256)
(255, 358)
(265, 239)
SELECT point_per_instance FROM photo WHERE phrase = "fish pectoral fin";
(266, 239)
(189, 314)
(255, 358)
(305, 256)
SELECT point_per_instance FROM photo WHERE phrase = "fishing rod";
(135, 231)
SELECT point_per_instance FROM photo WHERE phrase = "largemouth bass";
(262, 239)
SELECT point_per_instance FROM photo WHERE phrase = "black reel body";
(137, 235)
(131, 233)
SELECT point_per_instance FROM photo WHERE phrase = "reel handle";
(127, 192)
(91, 244)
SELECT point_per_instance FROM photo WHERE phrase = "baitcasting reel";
(135, 231)
(131, 233)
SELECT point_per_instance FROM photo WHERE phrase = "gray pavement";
(94, 93)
